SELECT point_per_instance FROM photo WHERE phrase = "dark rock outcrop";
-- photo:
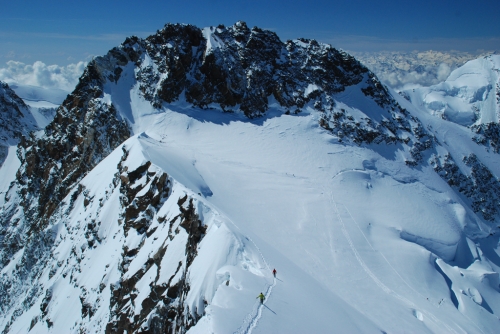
(165, 303)
(480, 187)
(236, 68)
(488, 135)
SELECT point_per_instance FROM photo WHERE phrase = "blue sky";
(63, 32)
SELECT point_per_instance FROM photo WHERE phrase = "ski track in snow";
(385, 288)
(356, 254)
(252, 319)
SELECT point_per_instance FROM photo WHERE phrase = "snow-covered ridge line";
(162, 280)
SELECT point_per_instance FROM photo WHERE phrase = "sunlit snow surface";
(360, 241)
(469, 95)
(43, 102)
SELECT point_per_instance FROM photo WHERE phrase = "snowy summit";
(186, 166)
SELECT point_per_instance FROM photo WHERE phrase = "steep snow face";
(470, 95)
(146, 206)
(137, 229)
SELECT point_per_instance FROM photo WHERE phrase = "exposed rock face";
(164, 304)
(481, 187)
(140, 193)
(488, 135)
(84, 131)
(236, 68)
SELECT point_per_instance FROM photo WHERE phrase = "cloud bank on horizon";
(42, 75)
(398, 70)
(406, 70)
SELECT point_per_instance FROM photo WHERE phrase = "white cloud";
(42, 75)
(443, 71)
(403, 70)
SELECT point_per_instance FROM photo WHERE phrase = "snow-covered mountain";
(20, 116)
(469, 97)
(42, 101)
(184, 167)
(16, 120)
(28, 93)
(24, 109)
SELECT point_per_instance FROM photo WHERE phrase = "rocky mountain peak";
(235, 68)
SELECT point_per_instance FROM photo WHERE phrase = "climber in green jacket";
(262, 297)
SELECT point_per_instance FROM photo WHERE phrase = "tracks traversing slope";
(377, 281)
(252, 319)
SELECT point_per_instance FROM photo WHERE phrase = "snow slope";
(183, 223)
(354, 236)
(338, 213)
(469, 96)
(226, 255)
(16, 120)
(42, 101)
(53, 96)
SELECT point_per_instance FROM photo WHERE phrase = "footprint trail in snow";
(253, 318)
